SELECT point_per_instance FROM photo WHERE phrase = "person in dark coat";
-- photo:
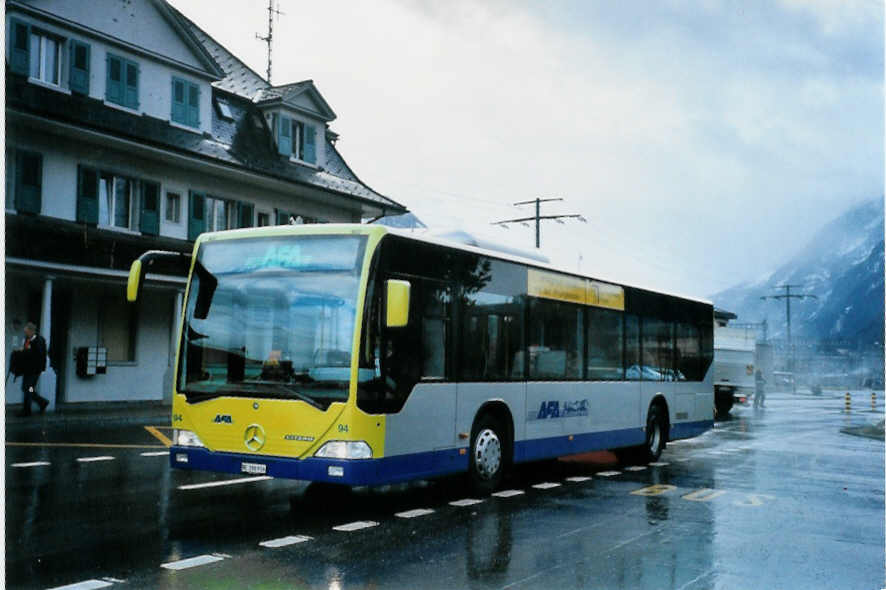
(30, 363)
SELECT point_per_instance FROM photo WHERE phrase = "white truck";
(734, 353)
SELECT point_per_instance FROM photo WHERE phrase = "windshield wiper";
(288, 389)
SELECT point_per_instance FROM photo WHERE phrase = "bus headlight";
(185, 438)
(345, 449)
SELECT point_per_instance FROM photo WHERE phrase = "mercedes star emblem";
(254, 437)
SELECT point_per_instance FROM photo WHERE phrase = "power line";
(787, 296)
(538, 217)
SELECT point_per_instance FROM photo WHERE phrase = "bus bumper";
(353, 472)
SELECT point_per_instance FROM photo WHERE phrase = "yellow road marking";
(159, 435)
(82, 445)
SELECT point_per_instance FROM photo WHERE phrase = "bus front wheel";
(487, 462)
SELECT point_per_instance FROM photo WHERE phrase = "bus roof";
(491, 250)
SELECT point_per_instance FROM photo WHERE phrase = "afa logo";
(566, 409)
(223, 419)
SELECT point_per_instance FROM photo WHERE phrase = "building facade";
(129, 128)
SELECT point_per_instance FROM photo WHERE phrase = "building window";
(122, 82)
(173, 207)
(295, 139)
(78, 79)
(220, 214)
(45, 58)
(115, 201)
(117, 325)
(264, 219)
(185, 102)
(28, 182)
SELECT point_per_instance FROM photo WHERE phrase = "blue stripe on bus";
(417, 465)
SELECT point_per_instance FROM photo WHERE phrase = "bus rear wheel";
(488, 455)
(651, 449)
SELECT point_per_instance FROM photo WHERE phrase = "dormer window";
(45, 58)
(185, 102)
(295, 139)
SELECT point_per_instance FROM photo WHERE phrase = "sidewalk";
(105, 413)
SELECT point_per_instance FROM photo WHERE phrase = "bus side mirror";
(136, 279)
(397, 303)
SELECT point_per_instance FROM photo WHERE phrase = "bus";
(365, 355)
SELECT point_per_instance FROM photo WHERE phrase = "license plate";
(255, 468)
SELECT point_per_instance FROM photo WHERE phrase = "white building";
(129, 129)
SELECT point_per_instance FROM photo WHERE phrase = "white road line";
(465, 502)
(85, 585)
(227, 482)
(578, 478)
(155, 454)
(415, 513)
(285, 541)
(609, 473)
(635, 468)
(94, 459)
(659, 464)
(183, 564)
(508, 493)
(31, 464)
(355, 526)
(547, 485)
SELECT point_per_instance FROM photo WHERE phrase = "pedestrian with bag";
(29, 363)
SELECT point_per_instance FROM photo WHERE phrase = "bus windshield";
(272, 317)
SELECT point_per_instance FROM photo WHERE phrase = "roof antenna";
(272, 10)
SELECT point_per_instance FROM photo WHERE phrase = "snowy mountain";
(842, 266)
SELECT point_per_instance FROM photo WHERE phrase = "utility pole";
(272, 10)
(538, 217)
(787, 296)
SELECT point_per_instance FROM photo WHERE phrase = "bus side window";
(632, 347)
(435, 312)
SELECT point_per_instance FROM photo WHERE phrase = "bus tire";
(656, 433)
(488, 454)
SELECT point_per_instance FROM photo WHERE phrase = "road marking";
(683, 460)
(635, 468)
(546, 485)
(654, 490)
(94, 459)
(285, 541)
(465, 502)
(508, 493)
(155, 454)
(226, 482)
(659, 464)
(159, 435)
(609, 473)
(31, 464)
(85, 585)
(415, 513)
(703, 495)
(355, 526)
(754, 500)
(81, 445)
(578, 478)
(191, 562)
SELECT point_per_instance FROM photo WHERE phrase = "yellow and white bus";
(362, 355)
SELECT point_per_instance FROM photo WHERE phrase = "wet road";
(770, 499)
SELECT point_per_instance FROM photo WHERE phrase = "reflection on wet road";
(770, 499)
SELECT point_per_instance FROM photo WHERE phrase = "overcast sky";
(705, 142)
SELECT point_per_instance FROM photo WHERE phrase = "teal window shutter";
(149, 220)
(28, 181)
(310, 144)
(130, 98)
(282, 217)
(193, 105)
(87, 195)
(284, 136)
(179, 114)
(78, 77)
(19, 46)
(114, 82)
(247, 211)
(196, 214)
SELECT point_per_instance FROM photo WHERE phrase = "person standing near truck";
(759, 393)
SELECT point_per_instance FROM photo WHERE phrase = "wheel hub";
(487, 454)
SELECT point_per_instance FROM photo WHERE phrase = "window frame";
(37, 58)
(177, 215)
(125, 99)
